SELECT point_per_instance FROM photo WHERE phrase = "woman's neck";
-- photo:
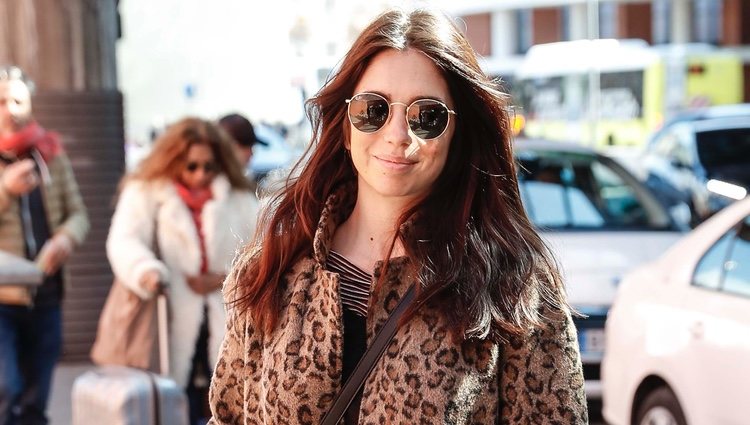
(366, 236)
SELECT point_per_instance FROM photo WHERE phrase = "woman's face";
(199, 168)
(386, 166)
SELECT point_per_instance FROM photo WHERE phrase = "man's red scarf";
(32, 136)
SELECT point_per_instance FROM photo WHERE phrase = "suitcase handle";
(162, 324)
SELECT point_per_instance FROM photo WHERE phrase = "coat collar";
(337, 208)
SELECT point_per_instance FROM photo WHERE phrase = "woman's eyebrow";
(426, 96)
(385, 95)
(407, 101)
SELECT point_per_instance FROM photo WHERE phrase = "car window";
(724, 147)
(710, 269)
(737, 266)
(663, 144)
(726, 265)
(560, 206)
(672, 145)
(618, 198)
(564, 190)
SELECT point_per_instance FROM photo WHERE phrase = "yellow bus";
(635, 88)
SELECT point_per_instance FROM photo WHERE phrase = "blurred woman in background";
(180, 218)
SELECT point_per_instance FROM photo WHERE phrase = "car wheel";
(660, 407)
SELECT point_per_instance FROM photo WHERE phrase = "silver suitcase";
(118, 395)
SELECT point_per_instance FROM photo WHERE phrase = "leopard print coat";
(425, 377)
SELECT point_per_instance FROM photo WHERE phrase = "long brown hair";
(483, 265)
(166, 159)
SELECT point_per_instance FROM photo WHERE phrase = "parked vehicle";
(737, 110)
(678, 335)
(599, 221)
(703, 162)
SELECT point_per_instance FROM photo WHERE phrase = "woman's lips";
(394, 162)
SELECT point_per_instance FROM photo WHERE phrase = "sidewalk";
(59, 409)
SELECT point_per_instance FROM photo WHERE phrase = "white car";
(678, 335)
(599, 221)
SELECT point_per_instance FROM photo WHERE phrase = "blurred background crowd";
(632, 130)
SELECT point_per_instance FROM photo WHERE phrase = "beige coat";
(292, 375)
(65, 213)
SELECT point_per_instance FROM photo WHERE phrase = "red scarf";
(195, 200)
(32, 136)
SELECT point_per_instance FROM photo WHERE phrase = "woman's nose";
(201, 175)
(396, 130)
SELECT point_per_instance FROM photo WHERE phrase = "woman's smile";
(394, 163)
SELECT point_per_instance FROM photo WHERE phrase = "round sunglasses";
(427, 118)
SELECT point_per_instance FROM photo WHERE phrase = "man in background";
(243, 134)
(42, 218)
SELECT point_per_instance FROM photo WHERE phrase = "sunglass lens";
(208, 167)
(368, 112)
(428, 119)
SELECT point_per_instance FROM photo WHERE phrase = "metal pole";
(593, 34)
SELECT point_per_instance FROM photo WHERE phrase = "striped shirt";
(354, 283)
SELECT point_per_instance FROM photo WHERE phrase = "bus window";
(621, 96)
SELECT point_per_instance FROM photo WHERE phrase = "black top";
(354, 284)
(32, 207)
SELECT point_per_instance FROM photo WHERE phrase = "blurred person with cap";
(42, 218)
(243, 134)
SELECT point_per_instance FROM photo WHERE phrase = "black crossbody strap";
(367, 362)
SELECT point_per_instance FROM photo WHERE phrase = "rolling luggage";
(118, 395)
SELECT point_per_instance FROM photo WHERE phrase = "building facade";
(503, 31)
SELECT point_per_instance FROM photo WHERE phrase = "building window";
(707, 20)
(608, 20)
(661, 23)
(525, 30)
(565, 23)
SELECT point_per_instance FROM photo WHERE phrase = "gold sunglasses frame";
(390, 112)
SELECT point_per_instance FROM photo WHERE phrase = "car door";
(716, 362)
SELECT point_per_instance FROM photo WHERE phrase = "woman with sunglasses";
(180, 218)
(410, 183)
